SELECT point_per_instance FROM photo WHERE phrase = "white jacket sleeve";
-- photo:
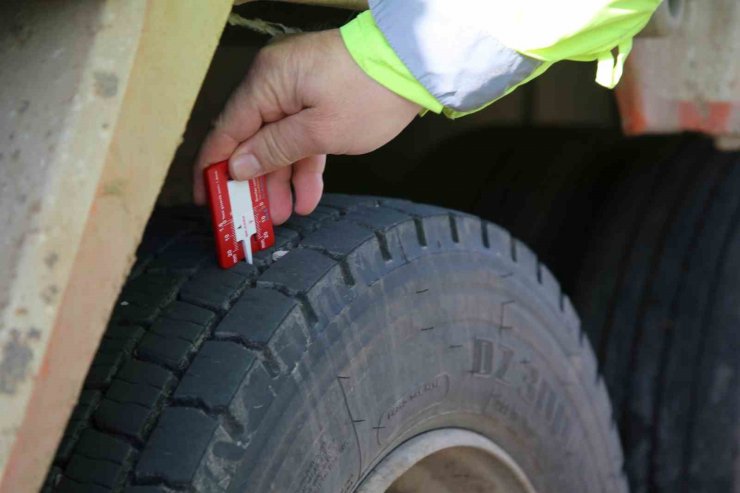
(449, 46)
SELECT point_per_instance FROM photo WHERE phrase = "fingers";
(217, 147)
(242, 117)
(308, 183)
(277, 145)
(280, 194)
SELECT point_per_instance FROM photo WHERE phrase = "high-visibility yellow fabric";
(580, 30)
(369, 48)
(546, 30)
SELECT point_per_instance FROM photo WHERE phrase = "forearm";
(466, 54)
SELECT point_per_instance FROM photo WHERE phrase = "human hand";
(304, 97)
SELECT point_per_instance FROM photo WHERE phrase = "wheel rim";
(447, 460)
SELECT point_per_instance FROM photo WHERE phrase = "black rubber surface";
(660, 299)
(373, 320)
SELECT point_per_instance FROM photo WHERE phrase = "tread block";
(255, 317)
(368, 264)
(52, 480)
(469, 230)
(499, 240)
(78, 423)
(414, 209)
(290, 342)
(96, 445)
(387, 223)
(124, 332)
(266, 318)
(377, 218)
(346, 203)
(120, 345)
(214, 375)
(142, 298)
(177, 443)
(68, 441)
(189, 313)
(161, 232)
(323, 213)
(438, 232)
(216, 288)
(145, 489)
(128, 419)
(330, 294)
(176, 335)
(102, 370)
(359, 246)
(409, 239)
(432, 227)
(302, 224)
(285, 239)
(525, 258)
(135, 371)
(243, 269)
(142, 394)
(179, 329)
(549, 284)
(86, 404)
(170, 352)
(306, 224)
(340, 238)
(192, 251)
(315, 275)
(253, 399)
(67, 485)
(99, 472)
(298, 271)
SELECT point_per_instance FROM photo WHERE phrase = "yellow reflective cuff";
(609, 71)
(370, 50)
(450, 113)
(570, 29)
(579, 30)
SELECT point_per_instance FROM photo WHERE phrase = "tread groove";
(420, 233)
(453, 229)
(385, 251)
(484, 235)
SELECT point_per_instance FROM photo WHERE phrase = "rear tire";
(372, 322)
(659, 296)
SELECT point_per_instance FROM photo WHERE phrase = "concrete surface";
(94, 97)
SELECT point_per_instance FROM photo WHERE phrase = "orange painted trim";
(631, 105)
(711, 118)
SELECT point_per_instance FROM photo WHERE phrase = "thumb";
(275, 146)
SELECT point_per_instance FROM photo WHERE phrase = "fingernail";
(244, 166)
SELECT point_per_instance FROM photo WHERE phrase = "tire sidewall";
(451, 339)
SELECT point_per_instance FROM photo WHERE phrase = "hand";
(303, 98)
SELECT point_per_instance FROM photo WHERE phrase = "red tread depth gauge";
(241, 215)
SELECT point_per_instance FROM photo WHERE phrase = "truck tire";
(659, 296)
(373, 325)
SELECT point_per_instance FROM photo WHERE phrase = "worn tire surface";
(660, 298)
(383, 320)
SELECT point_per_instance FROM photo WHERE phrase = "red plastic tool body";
(226, 219)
